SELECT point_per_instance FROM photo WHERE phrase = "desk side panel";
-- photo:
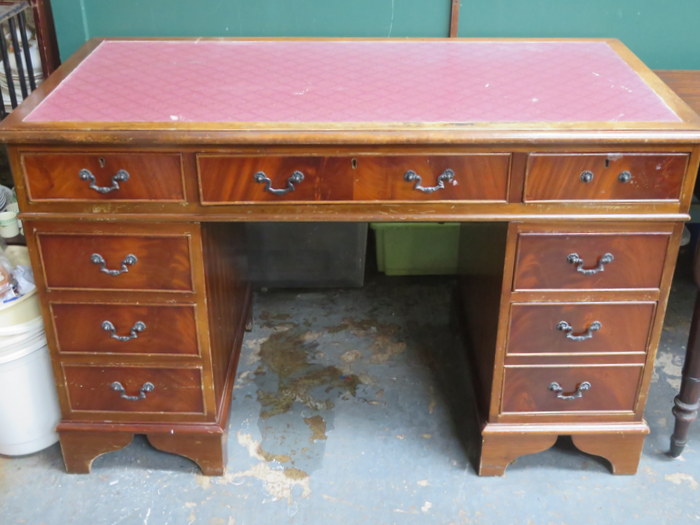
(228, 300)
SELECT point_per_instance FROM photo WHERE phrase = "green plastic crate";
(417, 248)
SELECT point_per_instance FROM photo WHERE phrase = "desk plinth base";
(619, 443)
(205, 446)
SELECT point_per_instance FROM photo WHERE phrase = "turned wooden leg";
(499, 450)
(623, 451)
(80, 448)
(208, 451)
(687, 402)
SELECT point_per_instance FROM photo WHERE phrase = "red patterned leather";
(345, 81)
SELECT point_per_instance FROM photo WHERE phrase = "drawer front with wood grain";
(575, 328)
(125, 329)
(605, 177)
(571, 388)
(116, 262)
(103, 176)
(134, 389)
(227, 179)
(478, 177)
(622, 260)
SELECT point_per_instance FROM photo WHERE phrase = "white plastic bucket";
(29, 410)
(22, 309)
(24, 329)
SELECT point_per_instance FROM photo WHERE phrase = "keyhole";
(353, 163)
(101, 162)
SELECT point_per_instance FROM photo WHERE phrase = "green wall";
(665, 34)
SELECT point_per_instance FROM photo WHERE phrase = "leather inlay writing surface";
(353, 81)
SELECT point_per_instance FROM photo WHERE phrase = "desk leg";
(208, 451)
(687, 402)
(500, 450)
(80, 448)
(619, 443)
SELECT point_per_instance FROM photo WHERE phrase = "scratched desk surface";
(353, 81)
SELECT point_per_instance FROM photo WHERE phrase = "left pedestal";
(145, 324)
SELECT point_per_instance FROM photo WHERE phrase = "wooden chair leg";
(687, 402)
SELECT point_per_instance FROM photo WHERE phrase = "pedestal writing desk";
(568, 163)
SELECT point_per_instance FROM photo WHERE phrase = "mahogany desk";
(569, 164)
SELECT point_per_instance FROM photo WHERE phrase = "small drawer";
(605, 177)
(576, 328)
(125, 329)
(479, 177)
(571, 388)
(226, 179)
(103, 176)
(116, 262)
(590, 260)
(134, 389)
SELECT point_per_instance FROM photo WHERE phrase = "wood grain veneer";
(55, 176)
(542, 260)
(176, 390)
(612, 176)
(169, 329)
(613, 388)
(162, 262)
(624, 327)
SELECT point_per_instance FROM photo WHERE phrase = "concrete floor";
(353, 407)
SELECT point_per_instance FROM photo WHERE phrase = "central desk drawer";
(575, 328)
(125, 329)
(622, 260)
(571, 388)
(226, 179)
(103, 176)
(116, 262)
(612, 177)
(134, 389)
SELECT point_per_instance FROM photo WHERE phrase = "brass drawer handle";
(624, 176)
(139, 326)
(294, 178)
(446, 176)
(129, 260)
(563, 326)
(145, 388)
(120, 176)
(574, 258)
(580, 389)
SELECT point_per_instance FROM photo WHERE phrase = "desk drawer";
(114, 176)
(610, 388)
(559, 328)
(139, 390)
(482, 177)
(125, 329)
(225, 179)
(134, 262)
(598, 261)
(601, 177)
(229, 179)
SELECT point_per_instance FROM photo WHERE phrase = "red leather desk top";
(353, 81)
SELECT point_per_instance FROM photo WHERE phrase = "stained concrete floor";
(353, 407)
